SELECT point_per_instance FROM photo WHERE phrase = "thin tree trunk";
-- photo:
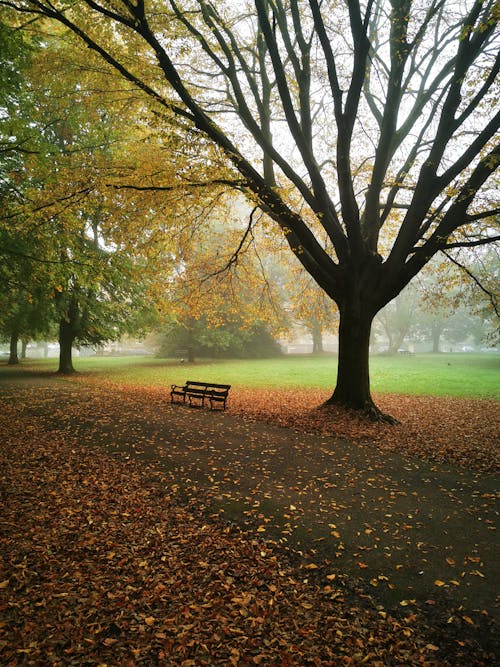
(396, 342)
(66, 338)
(24, 348)
(14, 339)
(317, 338)
(436, 330)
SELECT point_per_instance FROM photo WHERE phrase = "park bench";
(198, 392)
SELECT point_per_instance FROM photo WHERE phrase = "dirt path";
(411, 537)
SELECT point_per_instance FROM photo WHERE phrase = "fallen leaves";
(446, 430)
(116, 563)
(101, 566)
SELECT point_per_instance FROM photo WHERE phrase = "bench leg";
(196, 398)
(212, 405)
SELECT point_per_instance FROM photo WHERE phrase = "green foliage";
(62, 260)
(198, 338)
(15, 102)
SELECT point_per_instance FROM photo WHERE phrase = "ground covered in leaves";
(446, 430)
(135, 532)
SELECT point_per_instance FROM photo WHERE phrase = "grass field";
(465, 375)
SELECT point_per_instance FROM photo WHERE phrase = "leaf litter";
(109, 560)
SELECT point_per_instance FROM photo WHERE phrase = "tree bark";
(24, 348)
(66, 339)
(13, 358)
(353, 376)
(353, 373)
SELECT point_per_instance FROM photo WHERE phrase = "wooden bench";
(198, 392)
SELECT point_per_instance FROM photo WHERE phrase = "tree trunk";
(353, 373)
(396, 343)
(24, 348)
(13, 358)
(317, 338)
(66, 338)
(436, 331)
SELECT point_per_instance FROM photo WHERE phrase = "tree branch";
(233, 260)
(238, 184)
(491, 296)
(471, 244)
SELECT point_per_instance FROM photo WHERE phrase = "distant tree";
(456, 302)
(333, 117)
(309, 306)
(23, 318)
(218, 303)
(65, 260)
(192, 339)
(101, 294)
(26, 309)
(398, 318)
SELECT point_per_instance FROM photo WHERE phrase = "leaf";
(109, 641)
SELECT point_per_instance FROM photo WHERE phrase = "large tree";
(63, 263)
(334, 117)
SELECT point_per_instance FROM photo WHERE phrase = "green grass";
(465, 375)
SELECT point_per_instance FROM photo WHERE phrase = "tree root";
(374, 414)
(367, 409)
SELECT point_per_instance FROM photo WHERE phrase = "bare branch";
(472, 244)
(234, 259)
(490, 295)
(233, 183)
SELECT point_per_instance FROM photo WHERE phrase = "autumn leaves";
(124, 554)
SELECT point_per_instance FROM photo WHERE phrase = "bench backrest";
(207, 385)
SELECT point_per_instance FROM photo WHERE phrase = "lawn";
(459, 375)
